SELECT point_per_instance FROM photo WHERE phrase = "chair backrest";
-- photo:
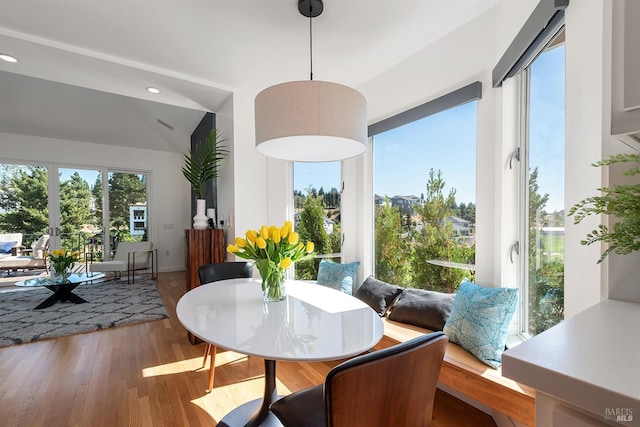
(224, 270)
(391, 387)
(142, 252)
(40, 246)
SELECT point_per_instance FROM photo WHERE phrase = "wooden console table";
(202, 247)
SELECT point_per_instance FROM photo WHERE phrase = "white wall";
(587, 46)
(169, 202)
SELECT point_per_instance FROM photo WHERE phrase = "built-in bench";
(463, 372)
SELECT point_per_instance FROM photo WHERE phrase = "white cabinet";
(625, 71)
(585, 369)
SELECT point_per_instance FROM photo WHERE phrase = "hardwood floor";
(148, 375)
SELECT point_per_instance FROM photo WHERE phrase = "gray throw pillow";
(377, 294)
(427, 309)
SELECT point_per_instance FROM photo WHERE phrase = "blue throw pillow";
(5, 247)
(480, 319)
(337, 276)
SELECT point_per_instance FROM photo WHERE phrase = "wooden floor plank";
(149, 375)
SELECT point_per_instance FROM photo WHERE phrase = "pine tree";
(311, 228)
(24, 198)
(435, 240)
(392, 248)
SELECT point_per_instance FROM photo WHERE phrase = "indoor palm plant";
(619, 200)
(200, 165)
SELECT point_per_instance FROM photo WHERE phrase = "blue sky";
(445, 141)
(546, 134)
(88, 175)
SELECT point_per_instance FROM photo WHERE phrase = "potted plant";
(201, 165)
(621, 201)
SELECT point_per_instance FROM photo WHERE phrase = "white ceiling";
(84, 65)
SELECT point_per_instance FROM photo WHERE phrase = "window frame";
(524, 126)
(469, 93)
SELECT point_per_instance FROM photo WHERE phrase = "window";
(424, 185)
(67, 203)
(542, 201)
(316, 198)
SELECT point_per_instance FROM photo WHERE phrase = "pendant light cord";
(310, 44)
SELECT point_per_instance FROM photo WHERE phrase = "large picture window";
(425, 200)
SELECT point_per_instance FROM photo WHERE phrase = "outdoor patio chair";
(395, 386)
(130, 257)
(209, 273)
(27, 259)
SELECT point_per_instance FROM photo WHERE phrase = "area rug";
(109, 304)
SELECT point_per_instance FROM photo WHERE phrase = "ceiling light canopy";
(311, 121)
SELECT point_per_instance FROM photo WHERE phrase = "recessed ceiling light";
(8, 58)
(153, 90)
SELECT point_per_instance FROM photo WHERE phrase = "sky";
(88, 175)
(546, 125)
(445, 141)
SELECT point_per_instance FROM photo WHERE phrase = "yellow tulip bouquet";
(274, 249)
(62, 261)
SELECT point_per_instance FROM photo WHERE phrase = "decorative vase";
(273, 286)
(200, 221)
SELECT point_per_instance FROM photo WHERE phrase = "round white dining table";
(313, 323)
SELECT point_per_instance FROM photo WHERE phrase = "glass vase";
(273, 286)
(60, 277)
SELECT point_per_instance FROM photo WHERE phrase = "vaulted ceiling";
(84, 66)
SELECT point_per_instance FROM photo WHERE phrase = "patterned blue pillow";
(337, 276)
(480, 319)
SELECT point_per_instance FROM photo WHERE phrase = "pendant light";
(310, 120)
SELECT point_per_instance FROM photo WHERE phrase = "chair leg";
(212, 367)
(206, 354)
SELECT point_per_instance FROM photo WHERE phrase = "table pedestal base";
(240, 416)
(256, 413)
(62, 293)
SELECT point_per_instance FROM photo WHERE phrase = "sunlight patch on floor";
(231, 396)
(188, 365)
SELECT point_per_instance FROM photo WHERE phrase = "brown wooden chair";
(391, 387)
(210, 273)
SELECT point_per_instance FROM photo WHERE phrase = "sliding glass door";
(72, 205)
